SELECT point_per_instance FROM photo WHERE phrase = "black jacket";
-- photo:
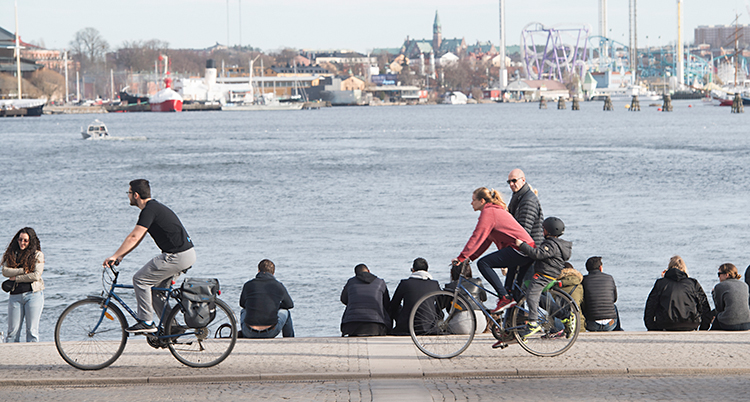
(549, 256)
(599, 296)
(409, 291)
(525, 207)
(676, 303)
(470, 284)
(262, 298)
(366, 298)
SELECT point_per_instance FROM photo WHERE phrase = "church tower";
(437, 34)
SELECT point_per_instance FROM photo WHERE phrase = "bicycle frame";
(111, 294)
(459, 286)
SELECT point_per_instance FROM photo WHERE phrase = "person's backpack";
(199, 301)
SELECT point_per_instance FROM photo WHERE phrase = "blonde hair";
(730, 270)
(491, 196)
(677, 262)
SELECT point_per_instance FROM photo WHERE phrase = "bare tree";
(139, 56)
(88, 48)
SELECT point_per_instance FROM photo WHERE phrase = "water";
(320, 191)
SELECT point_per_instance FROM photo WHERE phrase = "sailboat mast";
(18, 53)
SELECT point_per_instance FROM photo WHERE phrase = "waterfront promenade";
(314, 359)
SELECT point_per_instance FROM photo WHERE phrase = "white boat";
(626, 94)
(455, 98)
(95, 131)
(98, 131)
(265, 102)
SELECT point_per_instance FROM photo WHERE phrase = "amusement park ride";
(566, 53)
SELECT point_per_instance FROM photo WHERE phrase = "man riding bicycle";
(177, 253)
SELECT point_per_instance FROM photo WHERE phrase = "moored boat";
(166, 100)
(21, 107)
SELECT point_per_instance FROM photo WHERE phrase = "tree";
(139, 56)
(89, 48)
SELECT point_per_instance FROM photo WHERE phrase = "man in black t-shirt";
(177, 253)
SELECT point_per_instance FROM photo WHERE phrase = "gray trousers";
(158, 273)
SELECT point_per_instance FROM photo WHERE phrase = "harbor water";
(320, 191)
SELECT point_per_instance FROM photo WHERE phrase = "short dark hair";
(266, 266)
(361, 268)
(568, 265)
(593, 263)
(420, 264)
(142, 187)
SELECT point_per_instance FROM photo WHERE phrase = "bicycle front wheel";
(559, 319)
(89, 336)
(202, 347)
(442, 325)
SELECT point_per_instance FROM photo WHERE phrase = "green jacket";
(571, 283)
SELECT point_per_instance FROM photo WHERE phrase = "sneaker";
(141, 328)
(504, 303)
(555, 335)
(532, 327)
(570, 325)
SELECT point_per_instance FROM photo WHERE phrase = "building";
(438, 46)
(7, 55)
(532, 90)
(340, 91)
(722, 36)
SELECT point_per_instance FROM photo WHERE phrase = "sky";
(346, 24)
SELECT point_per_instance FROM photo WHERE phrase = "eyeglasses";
(513, 181)
(23, 240)
(721, 273)
(129, 192)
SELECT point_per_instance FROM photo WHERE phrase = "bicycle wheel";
(441, 325)
(89, 337)
(202, 347)
(559, 318)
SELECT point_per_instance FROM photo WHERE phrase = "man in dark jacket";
(409, 291)
(524, 205)
(677, 302)
(599, 295)
(265, 305)
(366, 298)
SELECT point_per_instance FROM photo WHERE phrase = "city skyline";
(338, 24)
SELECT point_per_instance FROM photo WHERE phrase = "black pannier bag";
(199, 301)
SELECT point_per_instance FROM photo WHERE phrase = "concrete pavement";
(623, 353)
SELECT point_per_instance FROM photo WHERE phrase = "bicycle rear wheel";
(559, 318)
(202, 347)
(442, 325)
(88, 337)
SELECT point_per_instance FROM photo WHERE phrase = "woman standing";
(497, 226)
(730, 298)
(23, 262)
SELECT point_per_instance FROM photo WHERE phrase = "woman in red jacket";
(497, 226)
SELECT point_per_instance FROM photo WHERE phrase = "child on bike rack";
(549, 258)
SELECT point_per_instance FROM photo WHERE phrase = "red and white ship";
(166, 100)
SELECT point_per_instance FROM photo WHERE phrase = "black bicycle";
(90, 334)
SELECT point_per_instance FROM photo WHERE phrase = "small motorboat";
(95, 131)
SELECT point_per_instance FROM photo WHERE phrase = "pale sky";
(345, 24)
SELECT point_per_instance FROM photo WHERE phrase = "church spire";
(437, 34)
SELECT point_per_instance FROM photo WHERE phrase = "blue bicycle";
(90, 333)
(442, 324)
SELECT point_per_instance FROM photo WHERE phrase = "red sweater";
(497, 226)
